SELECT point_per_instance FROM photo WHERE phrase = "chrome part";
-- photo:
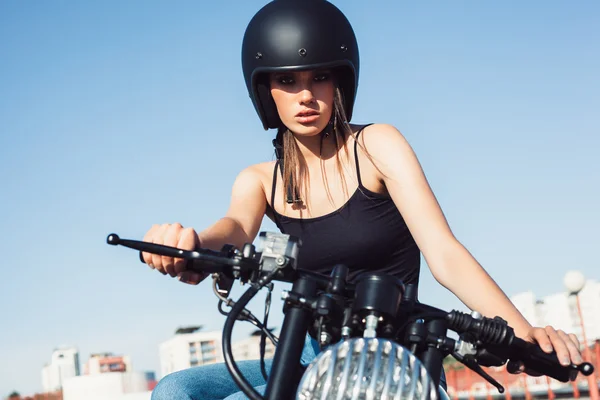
(371, 326)
(366, 369)
(281, 261)
(442, 394)
(372, 390)
(325, 338)
(277, 250)
(476, 315)
(465, 348)
(218, 292)
(346, 332)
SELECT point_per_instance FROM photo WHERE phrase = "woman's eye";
(285, 80)
(321, 77)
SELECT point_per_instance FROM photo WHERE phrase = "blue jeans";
(213, 382)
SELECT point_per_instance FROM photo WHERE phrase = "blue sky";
(118, 115)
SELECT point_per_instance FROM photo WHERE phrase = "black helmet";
(293, 35)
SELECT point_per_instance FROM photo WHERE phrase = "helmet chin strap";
(289, 192)
(290, 197)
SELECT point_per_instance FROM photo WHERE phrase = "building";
(107, 386)
(560, 310)
(106, 362)
(64, 364)
(249, 349)
(190, 348)
(589, 298)
(109, 377)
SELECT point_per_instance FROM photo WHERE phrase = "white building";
(560, 310)
(526, 303)
(101, 363)
(107, 386)
(190, 348)
(64, 364)
(589, 298)
(249, 349)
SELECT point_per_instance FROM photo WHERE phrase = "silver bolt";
(371, 327)
(346, 331)
(280, 261)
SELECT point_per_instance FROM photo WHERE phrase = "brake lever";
(470, 362)
(487, 359)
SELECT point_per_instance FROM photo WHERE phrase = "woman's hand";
(173, 235)
(549, 339)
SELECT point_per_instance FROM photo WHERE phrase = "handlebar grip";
(535, 359)
(198, 266)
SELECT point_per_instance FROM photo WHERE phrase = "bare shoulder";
(262, 171)
(256, 175)
(385, 146)
(379, 138)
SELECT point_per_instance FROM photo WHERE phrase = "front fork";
(433, 357)
(286, 370)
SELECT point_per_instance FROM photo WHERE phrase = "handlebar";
(228, 261)
(201, 260)
(535, 359)
(491, 335)
(498, 338)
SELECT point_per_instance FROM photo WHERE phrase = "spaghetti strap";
(273, 187)
(356, 155)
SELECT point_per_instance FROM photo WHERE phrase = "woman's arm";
(244, 216)
(450, 263)
(239, 226)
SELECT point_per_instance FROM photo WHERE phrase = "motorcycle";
(377, 340)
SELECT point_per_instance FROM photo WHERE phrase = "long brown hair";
(295, 171)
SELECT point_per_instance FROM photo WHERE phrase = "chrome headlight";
(366, 369)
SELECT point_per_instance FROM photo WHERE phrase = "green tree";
(14, 395)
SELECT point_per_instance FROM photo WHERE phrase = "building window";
(207, 346)
(209, 359)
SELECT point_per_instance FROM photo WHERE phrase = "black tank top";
(367, 234)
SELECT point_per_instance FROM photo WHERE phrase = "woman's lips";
(306, 117)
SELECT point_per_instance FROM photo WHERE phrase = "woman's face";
(304, 99)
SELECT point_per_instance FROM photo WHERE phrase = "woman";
(354, 195)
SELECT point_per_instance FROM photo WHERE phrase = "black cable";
(319, 332)
(237, 309)
(250, 318)
(263, 336)
(220, 308)
(235, 372)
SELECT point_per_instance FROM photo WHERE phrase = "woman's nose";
(306, 96)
